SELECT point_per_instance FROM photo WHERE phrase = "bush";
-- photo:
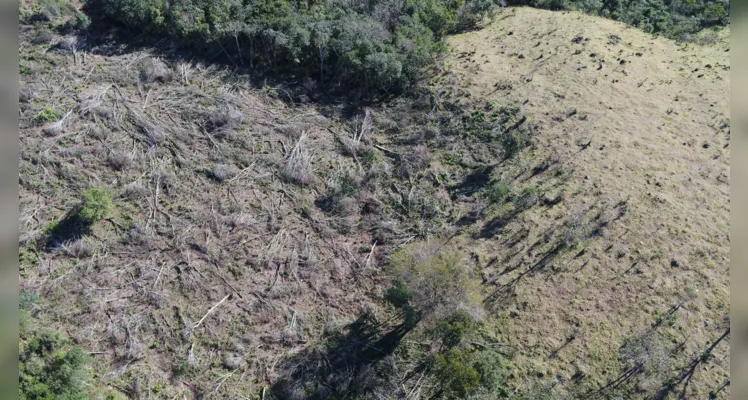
(497, 192)
(431, 283)
(456, 377)
(51, 368)
(47, 114)
(452, 329)
(492, 370)
(97, 204)
(461, 373)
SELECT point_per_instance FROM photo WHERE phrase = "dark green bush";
(97, 204)
(461, 373)
(452, 329)
(51, 368)
(497, 192)
(456, 377)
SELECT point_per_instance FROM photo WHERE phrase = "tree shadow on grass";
(70, 228)
(505, 291)
(347, 365)
(686, 373)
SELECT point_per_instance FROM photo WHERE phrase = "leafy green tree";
(451, 330)
(462, 373)
(432, 283)
(456, 377)
(50, 368)
(97, 204)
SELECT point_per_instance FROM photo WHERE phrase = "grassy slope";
(295, 270)
(656, 141)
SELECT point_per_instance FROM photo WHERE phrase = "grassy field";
(247, 222)
(638, 130)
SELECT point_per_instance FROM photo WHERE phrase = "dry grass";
(642, 192)
(186, 221)
(154, 70)
(298, 165)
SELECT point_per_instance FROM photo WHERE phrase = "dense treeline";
(676, 19)
(379, 45)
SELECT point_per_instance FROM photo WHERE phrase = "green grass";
(47, 114)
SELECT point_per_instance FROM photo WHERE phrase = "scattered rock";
(577, 39)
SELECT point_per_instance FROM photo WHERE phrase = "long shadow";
(494, 226)
(683, 377)
(70, 228)
(505, 290)
(625, 376)
(346, 366)
(686, 374)
(476, 179)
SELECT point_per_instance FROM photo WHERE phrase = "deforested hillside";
(473, 203)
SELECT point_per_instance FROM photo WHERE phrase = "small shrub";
(82, 20)
(645, 353)
(27, 299)
(417, 160)
(497, 192)
(513, 142)
(338, 198)
(53, 129)
(43, 36)
(539, 391)
(97, 204)
(47, 114)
